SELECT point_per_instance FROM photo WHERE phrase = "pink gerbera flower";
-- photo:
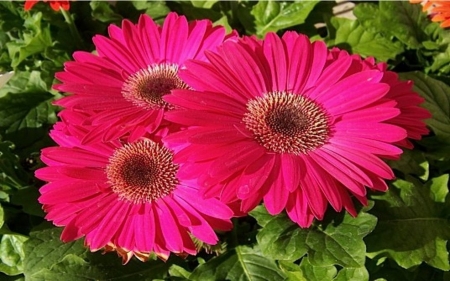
(412, 115)
(284, 121)
(124, 83)
(125, 196)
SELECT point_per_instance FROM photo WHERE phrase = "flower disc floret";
(146, 87)
(286, 122)
(142, 172)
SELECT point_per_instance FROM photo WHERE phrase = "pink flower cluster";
(168, 132)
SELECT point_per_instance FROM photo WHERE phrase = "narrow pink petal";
(110, 224)
(201, 118)
(298, 209)
(368, 161)
(134, 44)
(146, 227)
(210, 206)
(89, 218)
(75, 157)
(254, 176)
(335, 168)
(169, 227)
(150, 36)
(316, 200)
(318, 62)
(62, 172)
(116, 52)
(126, 236)
(327, 184)
(194, 40)
(367, 145)
(332, 74)
(67, 191)
(353, 98)
(173, 37)
(71, 232)
(275, 52)
(293, 168)
(299, 61)
(276, 197)
(245, 67)
(375, 131)
(235, 160)
(205, 100)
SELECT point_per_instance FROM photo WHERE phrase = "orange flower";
(56, 5)
(438, 10)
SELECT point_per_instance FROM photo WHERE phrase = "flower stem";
(72, 27)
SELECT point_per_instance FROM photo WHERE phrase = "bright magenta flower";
(287, 121)
(125, 196)
(134, 68)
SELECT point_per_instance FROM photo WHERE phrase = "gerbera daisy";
(283, 121)
(125, 196)
(134, 68)
(412, 115)
(439, 11)
(55, 5)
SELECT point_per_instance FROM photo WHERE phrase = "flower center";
(287, 123)
(146, 87)
(142, 172)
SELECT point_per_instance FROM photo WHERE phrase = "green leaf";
(352, 274)
(437, 101)
(47, 258)
(275, 15)
(12, 174)
(28, 199)
(206, 4)
(317, 273)
(261, 215)
(241, 263)
(35, 39)
(412, 162)
(395, 18)
(350, 35)
(292, 271)
(156, 9)
(25, 110)
(441, 46)
(176, 271)
(12, 254)
(2, 216)
(102, 11)
(326, 244)
(412, 227)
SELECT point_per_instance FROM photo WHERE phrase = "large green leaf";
(309, 272)
(413, 225)
(437, 101)
(12, 174)
(337, 242)
(47, 258)
(25, 109)
(395, 18)
(12, 253)
(241, 263)
(355, 38)
(412, 162)
(275, 15)
(35, 40)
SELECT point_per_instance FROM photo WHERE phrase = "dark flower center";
(142, 172)
(287, 123)
(146, 87)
